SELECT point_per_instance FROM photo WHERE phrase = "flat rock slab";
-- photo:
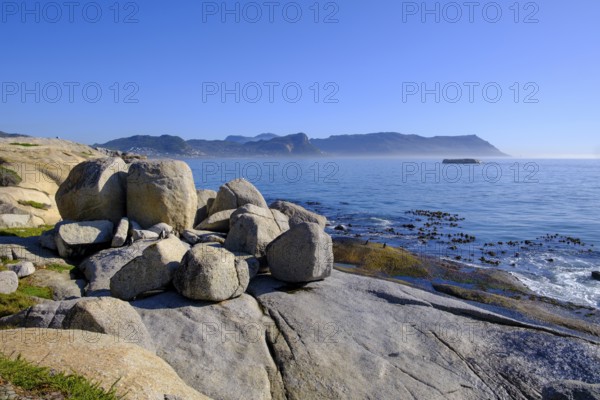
(352, 337)
(219, 349)
(134, 371)
(27, 249)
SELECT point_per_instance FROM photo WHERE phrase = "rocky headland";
(174, 292)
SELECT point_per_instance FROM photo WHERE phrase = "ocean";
(538, 219)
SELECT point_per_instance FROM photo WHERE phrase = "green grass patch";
(375, 257)
(28, 376)
(24, 144)
(60, 267)
(25, 232)
(13, 303)
(8, 177)
(35, 291)
(34, 204)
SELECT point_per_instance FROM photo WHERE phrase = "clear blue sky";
(175, 55)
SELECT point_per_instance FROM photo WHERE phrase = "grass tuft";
(34, 204)
(34, 291)
(31, 377)
(60, 267)
(15, 302)
(24, 144)
(25, 232)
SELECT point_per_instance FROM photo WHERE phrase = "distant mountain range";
(15, 135)
(269, 144)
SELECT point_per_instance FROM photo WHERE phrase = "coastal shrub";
(42, 380)
(375, 257)
(8, 177)
(34, 204)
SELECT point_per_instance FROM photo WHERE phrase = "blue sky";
(360, 66)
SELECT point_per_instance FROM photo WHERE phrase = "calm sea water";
(508, 205)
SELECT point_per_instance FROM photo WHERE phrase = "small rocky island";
(186, 293)
(461, 161)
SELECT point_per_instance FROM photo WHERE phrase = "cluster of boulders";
(142, 227)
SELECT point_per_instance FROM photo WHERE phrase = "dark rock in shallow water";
(596, 275)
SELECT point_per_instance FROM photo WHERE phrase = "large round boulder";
(161, 191)
(302, 254)
(94, 190)
(209, 272)
(236, 194)
(252, 228)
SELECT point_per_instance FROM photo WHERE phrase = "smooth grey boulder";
(298, 214)
(100, 267)
(571, 390)
(194, 237)
(22, 269)
(111, 316)
(235, 194)
(153, 270)
(302, 254)
(252, 228)
(210, 272)
(218, 222)
(76, 239)
(94, 190)
(9, 282)
(161, 191)
(205, 200)
(120, 236)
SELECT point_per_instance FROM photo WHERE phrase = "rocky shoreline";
(224, 296)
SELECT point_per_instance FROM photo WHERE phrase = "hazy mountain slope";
(392, 143)
(246, 139)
